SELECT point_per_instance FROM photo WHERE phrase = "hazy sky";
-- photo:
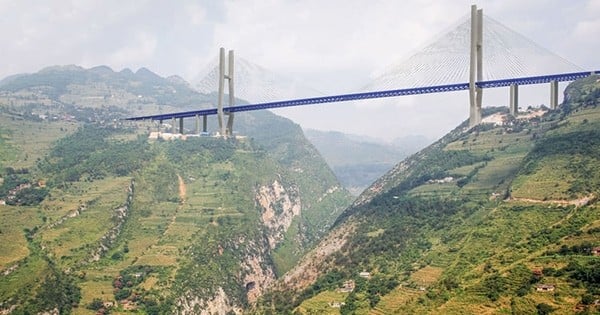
(334, 46)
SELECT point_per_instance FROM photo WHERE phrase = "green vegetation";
(120, 224)
(506, 216)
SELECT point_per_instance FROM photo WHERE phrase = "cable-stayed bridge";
(485, 53)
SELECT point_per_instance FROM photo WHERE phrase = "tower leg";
(221, 91)
(478, 90)
(231, 94)
(475, 67)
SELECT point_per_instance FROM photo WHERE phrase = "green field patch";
(494, 175)
(323, 303)
(550, 181)
(79, 234)
(393, 302)
(13, 244)
(376, 233)
(464, 170)
(434, 189)
(31, 140)
(24, 279)
(426, 276)
(157, 260)
(108, 192)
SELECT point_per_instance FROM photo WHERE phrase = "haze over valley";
(394, 205)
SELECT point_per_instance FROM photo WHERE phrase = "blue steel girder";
(535, 80)
(375, 94)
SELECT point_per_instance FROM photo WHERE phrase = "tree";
(95, 304)
(544, 309)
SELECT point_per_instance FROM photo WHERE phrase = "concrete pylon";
(476, 66)
(225, 130)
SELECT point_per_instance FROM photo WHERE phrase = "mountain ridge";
(452, 228)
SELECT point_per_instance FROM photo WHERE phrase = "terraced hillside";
(97, 218)
(498, 219)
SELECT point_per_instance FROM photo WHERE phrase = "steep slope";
(496, 219)
(97, 216)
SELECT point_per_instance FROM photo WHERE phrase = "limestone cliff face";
(218, 304)
(258, 273)
(315, 262)
(279, 207)
(278, 204)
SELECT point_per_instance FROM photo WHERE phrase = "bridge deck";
(377, 94)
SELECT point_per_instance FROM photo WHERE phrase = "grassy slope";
(485, 247)
(159, 231)
(164, 225)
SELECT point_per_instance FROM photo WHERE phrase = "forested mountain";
(97, 218)
(498, 219)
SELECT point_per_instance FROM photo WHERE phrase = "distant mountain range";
(357, 160)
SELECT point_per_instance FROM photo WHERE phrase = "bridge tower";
(223, 129)
(476, 66)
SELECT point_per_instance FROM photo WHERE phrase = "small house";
(595, 251)
(545, 288)
(348, 286)
(365, 274)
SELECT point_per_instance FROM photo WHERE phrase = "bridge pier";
(514, 99)
(198, 124)
(181, 125)
(173, 123)
(553, 94)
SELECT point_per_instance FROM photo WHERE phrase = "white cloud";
(139, 51)
(334, 46)
(196, 14)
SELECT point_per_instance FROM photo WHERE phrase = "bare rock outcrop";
(280, 205)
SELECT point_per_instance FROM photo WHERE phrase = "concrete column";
(553, 94)
(514, 99)
(204, 123)
(475, 67)
(231, 94)
(181, 125)
(197, 124)
(173, 123)
(221, 90)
